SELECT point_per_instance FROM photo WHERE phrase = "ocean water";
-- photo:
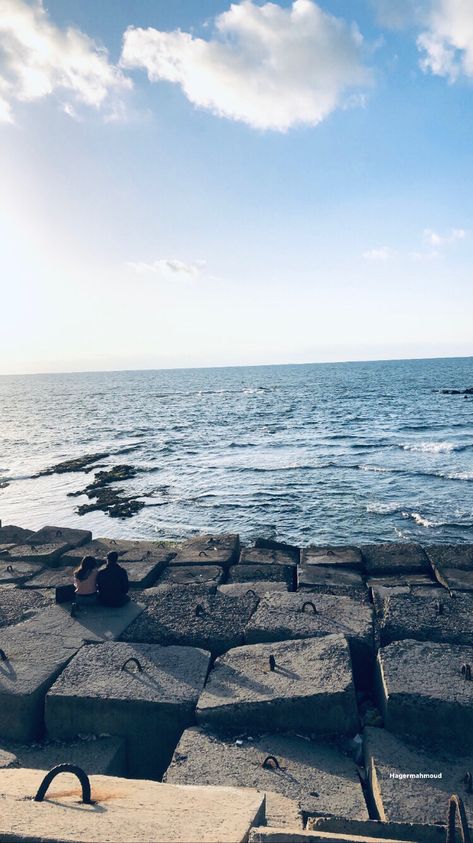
(352, 452)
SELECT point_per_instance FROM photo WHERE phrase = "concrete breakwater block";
(444, 619)
(318, 777)
(104, 756)
(305, 685)
(16, 571)
(282, 616)
(410, 799)
(138, 551)
(72, 536)
(456, 579)
(50, 578)
(90, 624)
(339, 830)
(261, 573)
(103, 691)
(451, 556)
(220, 550)
(270, 558)
(341, 556)
(192, 575)
(124, 811)
(327, 579)
(46, 553)
(28, 667)
(11, 534)
(239, 589)
(423, 690)
(395, 558)
(213, 622)
(143, 573)
(8, 759)
(16, 605)
(98, 548)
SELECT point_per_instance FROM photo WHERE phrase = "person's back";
(112, 583)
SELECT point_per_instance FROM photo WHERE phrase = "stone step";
(309, 690)
(124, 811)
(149, 707)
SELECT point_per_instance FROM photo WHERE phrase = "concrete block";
(266, 556)
(11, 534)
(124, 811)
(239, 589)
(261, 573)
(220, 550)
(8, 759)
(50, 578)
(98, 548)
(328, 579)
(282, 616)
(456, 579)
(138, 551)
(413, 800)
(150, 708)
(46, 553)
(17, 572)
(395, 558)
(73, 537)
(445, 619)
(143, 573)
(271, 544)
(192, 575)
(31, 665)
(451, 555)
(317, 777)
(213, 622)
(310, 688)
(341, 556)
(90, 625)
(422, 692)
(371, 831)
(16, 605)
(103, 756)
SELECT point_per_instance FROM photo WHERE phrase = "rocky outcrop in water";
(467, 391)
(77, 464)
(111, 501)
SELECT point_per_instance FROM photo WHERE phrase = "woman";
(85, 581)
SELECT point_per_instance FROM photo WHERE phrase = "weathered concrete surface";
(8, 759)
(406, 835)
(445, 619)
(328, 579)
(456, 579)
(90, 624)
(98, 548)
(451, 555)
(239, 589)
(395, 558)
(317, 777)
(213, 622)
(421, 692)
(147, 596)
(50, 578)
(192, 575)
(270, 559)
(11, 534)
(143, 573)
(31, 666)
(208, 550)
(103, 756)
(341, 556)
(73, 537)
(16, 572)
(282, 616)
(149, 708)
(137, 551)
(366, 831)
(271, 544)
(46, 553)
(16, 605)
(420, 800)
(124, 811)
(310, 690)
(260, 573)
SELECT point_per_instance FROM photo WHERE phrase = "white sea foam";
(430, 447)
(419, 519)
(458, 475)
(377, 468)
(382, 508)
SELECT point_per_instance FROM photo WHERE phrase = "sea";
(323, 453)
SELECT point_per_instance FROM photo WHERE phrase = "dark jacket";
(113, 585)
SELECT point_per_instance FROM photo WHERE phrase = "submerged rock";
(111, 501)
(77, 464)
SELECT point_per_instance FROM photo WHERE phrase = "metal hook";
(3, 656)
(65, 768)
(9, 569)
(266, 763)
(309, 603)
(272, 663)
(58, 533)
(135, 661)
(455, 805)
(199, 610)
(468, 779)
(466, 672)
(203, 553)
(251, 591)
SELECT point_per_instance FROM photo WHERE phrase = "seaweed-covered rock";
(77, 464)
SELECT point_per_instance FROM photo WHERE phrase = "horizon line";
(234, 366)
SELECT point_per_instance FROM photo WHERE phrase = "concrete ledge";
(220, 550)
(395, 558)
(124, 811)
(91, 624)
(341, 556)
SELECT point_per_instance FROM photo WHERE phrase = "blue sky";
(200, 183)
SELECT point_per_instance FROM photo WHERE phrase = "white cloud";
(38, 59)
(437, 240)
(447, 42)
(267, 66)
(169, 267)
(384, 253)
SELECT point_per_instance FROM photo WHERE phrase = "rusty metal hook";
(466, 672)
(455, 805)
(272, 663)
(65, 768)
(203, 553)
(9, 569)
(274, 761)
(251, 591)
(330, 552)
(309, 603)
(135, 661)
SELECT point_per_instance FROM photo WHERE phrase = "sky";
(206, 183)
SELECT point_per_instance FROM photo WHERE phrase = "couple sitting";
(109, 585)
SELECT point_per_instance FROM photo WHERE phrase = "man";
(112, 583)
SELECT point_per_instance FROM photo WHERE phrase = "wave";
(380, 508)
(435, 447)
(419, 519)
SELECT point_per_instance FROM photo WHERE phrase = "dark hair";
(112, 557)
(85, 568)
